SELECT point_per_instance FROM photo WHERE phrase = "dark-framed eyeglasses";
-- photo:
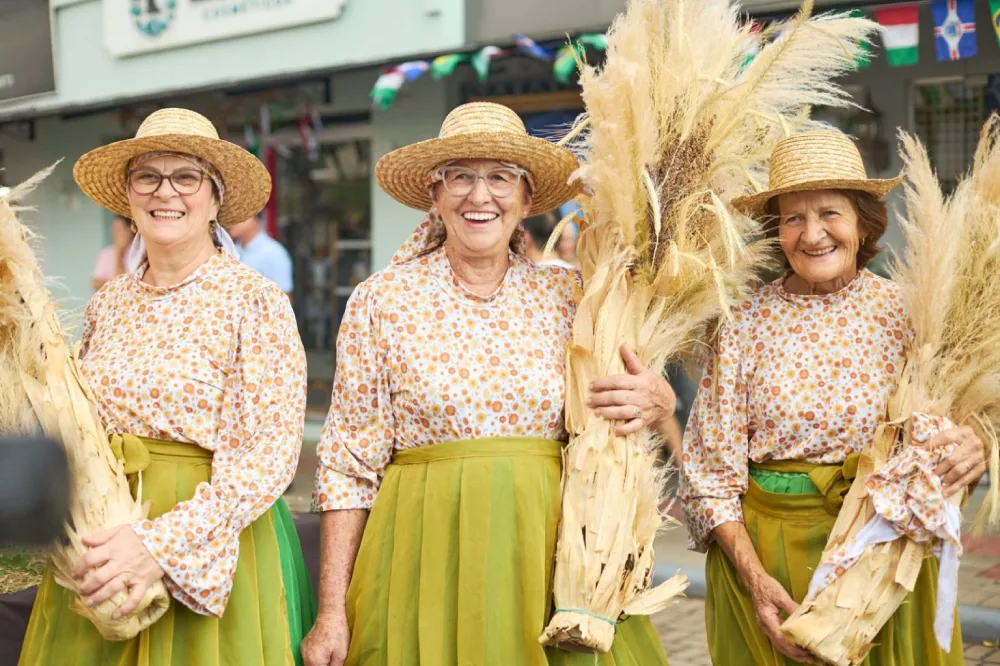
(501, 182)
(184, 181)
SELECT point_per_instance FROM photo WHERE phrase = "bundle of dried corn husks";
(950, 283)
(678, 125)
(43, 391)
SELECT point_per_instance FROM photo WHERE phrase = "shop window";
(948, 116)
(324, 219)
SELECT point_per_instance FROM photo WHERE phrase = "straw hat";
(487, 131)
(817, 160)
(101, 172)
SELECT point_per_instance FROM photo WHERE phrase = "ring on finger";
(636, 411)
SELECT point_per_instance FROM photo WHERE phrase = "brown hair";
(873, 218)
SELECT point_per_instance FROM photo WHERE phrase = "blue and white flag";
(954, 28)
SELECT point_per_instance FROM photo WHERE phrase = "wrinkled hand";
(327, 642)
(965, 465)
(640, 398)
(117, 561)
(770, 600)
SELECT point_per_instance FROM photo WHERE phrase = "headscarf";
(136, 258)
(431, 233)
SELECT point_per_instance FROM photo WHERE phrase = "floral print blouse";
(216, 361)
(793, 377)
(421, 361)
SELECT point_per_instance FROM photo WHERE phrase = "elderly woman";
(446, 421)
(199, 375)
(798, 383)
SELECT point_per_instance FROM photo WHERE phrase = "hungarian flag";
(954, 28)
(901, 35)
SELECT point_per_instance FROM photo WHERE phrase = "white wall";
(416, 115)
(73, 229)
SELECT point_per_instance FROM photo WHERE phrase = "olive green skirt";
(269, 611)
(455, 566)
(789, 520)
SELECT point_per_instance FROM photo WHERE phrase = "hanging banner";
(138, 26)
(26, 63)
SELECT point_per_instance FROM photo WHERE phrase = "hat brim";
(401, 173)
(755, 205)
(101, 173)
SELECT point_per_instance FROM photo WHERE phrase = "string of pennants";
(562, 56)
(954, 37)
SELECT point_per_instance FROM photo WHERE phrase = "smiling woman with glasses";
(199, 377)
(440, 459)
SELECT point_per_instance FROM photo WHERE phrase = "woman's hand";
(118, 561)
(640, 398)
(965, 465)
(327, 642)
(770, 600)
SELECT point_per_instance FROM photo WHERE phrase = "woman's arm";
(340, 537)
(769, 598)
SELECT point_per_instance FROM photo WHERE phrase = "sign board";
(26, 61)
(138, 26)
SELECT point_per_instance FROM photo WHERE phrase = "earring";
(135, 229)
(213, 226)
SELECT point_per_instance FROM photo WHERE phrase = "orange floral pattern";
(793, 378)
(216, 361)
(421, 360)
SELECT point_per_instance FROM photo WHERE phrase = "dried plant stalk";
(950, 283)
(678, 125)
(45, 392)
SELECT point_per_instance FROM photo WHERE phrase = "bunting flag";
(481, 61)
(250, 140)
(413, 69)
(528, 47)
(265, 120)
(444, 65)
(995, 16)
(564, 66)
(864, 57)
(753, 43)
(901, 36)
(386, 87)
(954, 28)
(595, 40)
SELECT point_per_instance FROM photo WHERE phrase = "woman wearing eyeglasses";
(440, 461)
(199, 375)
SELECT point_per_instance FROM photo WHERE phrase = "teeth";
(819, 253)
(480, 217)
(168, 214)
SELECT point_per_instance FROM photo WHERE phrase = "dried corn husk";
(44, 392)
(678, 125)
(950, 283)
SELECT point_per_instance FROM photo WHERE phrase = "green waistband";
(784, 483)
(478, 448)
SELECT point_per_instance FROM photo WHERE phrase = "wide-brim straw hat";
(480, 130)
(101, 172)
(815, 160)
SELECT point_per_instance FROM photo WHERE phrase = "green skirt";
(455, 566)
(789, 519)
(269, 612)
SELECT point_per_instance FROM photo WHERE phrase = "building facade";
(290, 79)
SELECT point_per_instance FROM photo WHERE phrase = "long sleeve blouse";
(792, 377)
(215, 361)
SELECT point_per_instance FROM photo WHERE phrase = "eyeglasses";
(500, 182)
(184, 181)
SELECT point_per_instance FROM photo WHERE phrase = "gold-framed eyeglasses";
(500, 182)
(184, 181)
